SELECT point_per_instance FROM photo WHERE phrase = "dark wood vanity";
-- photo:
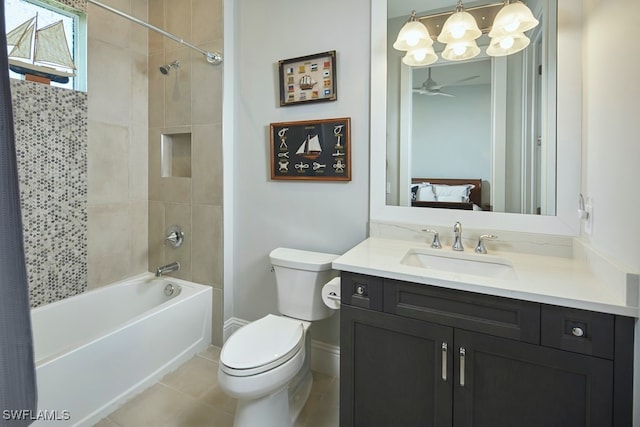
(420, 355)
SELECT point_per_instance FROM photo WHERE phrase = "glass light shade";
(421, 55)
(506, 45)
(513, 18)
(460, 26)
(461, 50)
(410, 35)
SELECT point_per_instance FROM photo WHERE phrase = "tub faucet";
(457, 240)
(161, 271)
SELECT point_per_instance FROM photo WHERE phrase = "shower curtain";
(17, 371)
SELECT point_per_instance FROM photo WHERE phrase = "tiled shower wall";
(117, 155)
(187, 101)
(51, 144)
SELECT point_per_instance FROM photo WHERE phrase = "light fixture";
(460, 26)
(504, 22)
(506, 45)
(513, 18)
(411, 34)
(459, 51)
(422, 54)
(507, 33)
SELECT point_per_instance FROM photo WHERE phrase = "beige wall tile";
(179, 214)
(177, 20)
(156, 235)
(207, 164)
(108, 174)
(139, 232)
(109, 85)
(156, 17)
(139, 90)
(110, 251)
(189, 100)
(139, 34)
(177, 92)
(217, 319)
(138, 164)
(207, 245)
(206, 21)
(156, 91)
(206, 98)
(107, 26)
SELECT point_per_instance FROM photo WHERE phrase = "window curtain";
(17, 371)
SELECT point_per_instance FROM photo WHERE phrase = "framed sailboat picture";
(309, 78)
(316, 150)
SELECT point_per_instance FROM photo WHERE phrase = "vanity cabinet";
(420, 355)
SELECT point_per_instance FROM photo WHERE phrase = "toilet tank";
(300, 276)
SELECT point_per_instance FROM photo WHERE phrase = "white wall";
(611, 128)
(441, 147)
(319, 216)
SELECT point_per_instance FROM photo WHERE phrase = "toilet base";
(298, 396)
(279, 409)
(268, 411)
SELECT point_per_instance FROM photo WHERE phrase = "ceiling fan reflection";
(431, 87)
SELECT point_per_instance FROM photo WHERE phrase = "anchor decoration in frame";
(315, 150)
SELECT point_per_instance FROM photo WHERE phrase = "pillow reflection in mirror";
(426, 193)
(459, 192)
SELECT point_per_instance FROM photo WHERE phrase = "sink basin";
(461, 263)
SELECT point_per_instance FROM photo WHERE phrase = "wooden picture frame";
(314, 150)
(309, 78)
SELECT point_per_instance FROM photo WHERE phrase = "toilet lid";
(261, 345)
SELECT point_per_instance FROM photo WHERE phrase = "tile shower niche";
(176, 155)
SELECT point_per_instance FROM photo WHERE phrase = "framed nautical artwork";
(309, 78)
(315, 150)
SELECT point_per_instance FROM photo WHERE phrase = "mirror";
(481, 118)
(561, 218)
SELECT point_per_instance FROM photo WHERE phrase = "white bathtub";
(96, 350)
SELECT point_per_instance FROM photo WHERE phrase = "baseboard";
(230, 326)
(325, 358)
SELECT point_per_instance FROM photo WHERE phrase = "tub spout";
(161, 271)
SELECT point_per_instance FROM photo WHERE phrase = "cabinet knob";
(577, 331)
(360, 290)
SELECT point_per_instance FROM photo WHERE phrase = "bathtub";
(96, 350)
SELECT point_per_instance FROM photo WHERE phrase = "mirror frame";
(568, 139)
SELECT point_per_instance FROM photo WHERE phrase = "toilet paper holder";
(333, 296)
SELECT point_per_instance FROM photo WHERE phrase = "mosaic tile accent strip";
(51, 143)
(80, 5)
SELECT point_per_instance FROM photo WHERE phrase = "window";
(18, 16)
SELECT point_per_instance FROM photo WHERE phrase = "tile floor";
(190, 397)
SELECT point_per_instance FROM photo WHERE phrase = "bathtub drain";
(170, 289)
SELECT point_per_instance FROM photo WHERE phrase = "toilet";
(266, 364)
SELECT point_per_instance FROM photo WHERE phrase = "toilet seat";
(262, 345)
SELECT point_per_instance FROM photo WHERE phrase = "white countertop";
(545, 279)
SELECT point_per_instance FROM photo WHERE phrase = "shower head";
(164, 69)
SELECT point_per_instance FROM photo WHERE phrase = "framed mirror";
(396, 117)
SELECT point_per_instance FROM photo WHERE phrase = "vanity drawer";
(502, 317)
(361, 290)
(578, 331)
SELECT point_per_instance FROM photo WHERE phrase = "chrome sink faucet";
(174, 266)
(457, 239)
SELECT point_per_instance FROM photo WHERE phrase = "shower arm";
(214, 58)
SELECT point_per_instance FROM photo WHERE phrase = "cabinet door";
(394, 371)
(505, 383)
